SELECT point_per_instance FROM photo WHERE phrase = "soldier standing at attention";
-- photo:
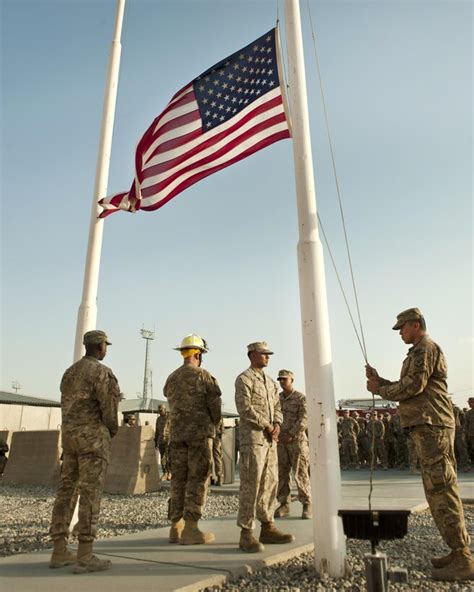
(89, 405)
(194, 399)
(293, 448)
(469, 427)
(426, 409)
(217, 454)
(162, 440)
(258, 405)
(375, 432)
(349, 433)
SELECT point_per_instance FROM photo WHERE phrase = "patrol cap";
(95, 337)
(259, 346)
(285, 374)
(411, 314)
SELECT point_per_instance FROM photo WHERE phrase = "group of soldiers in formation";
(273, 444)
(379, 440)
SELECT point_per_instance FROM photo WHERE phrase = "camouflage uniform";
(375, 432)
(89, 405)
(362, 441)
(162, 441)
(3, 458)
(401, 450)
(217, 453)
(258, 405)
(295, 454)
(460, 447)
(469, 431)
(194, 399)
(427, 411)
(389, 440)
(349, 452)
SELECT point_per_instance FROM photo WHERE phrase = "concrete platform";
(147, 562)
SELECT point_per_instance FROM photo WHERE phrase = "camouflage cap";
(285, 374)
(95, 337)
(411, 314)
(259, 346)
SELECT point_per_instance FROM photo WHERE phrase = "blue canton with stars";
(235, 82)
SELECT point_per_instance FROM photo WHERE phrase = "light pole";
(148, 335)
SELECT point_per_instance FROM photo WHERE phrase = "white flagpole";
(87, 314)
(329, 540)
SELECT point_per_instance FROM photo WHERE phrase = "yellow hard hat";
(193, 341)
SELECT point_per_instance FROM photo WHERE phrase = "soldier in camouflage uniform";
(293, 448)
(401, 451)
(89, 406)
(375, 432)
(258, 405)
(362, 441)
(3, 456)
(469, 427)
(426, 409)
(460, 446)
(162, 441)
(217, 454)
(349, 432)
(194, 399)
(389, 439)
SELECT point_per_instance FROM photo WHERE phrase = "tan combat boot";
(460, 568)
(87, 562)
(248, 542)
(271, 535)
(282, 511)
(176, 530)
(307, 512)
(191, 535)
(442, 561)
(61, 556)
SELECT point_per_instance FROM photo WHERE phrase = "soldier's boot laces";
(176, 531)
(248, 542)
(87, 562)
(307, 512)
(272, 536)
(460, 568)
(282, 511)
(442, 561)
(191, 535)
(61, 556)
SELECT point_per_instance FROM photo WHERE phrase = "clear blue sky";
(220, 259)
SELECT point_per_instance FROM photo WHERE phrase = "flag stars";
(213, 104)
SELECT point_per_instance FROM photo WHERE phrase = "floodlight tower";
(16, 386)
(148, 335)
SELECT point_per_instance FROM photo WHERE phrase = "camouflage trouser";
(412, 454)
(401, 451)
(163, 447)
(293, 456)
(349, 451)
(82, 474)
(258, 483)
(363, 449)
(389, 444)
(217, 457)
(435, 450)
(460, 449)
(379, 452)
(189, 478)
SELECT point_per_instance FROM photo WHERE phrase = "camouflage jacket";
(469, 423)
(422, 388)
(295, 420)
(377, 427)
(258, 405)
(161, 431)
(194, 399)
(90, 395)
(349, 428)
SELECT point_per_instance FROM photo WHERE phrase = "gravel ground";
(413, 552)
(26, 512)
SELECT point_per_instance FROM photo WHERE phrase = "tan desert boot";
(442, 561)
(307, 512)
(282, 511)
(191, 535)
(61, 556)
(271, 535)
(176, 530)
(460, 568)
(248, 542)
(87, 562)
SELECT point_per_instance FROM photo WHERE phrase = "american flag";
(232, 110)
